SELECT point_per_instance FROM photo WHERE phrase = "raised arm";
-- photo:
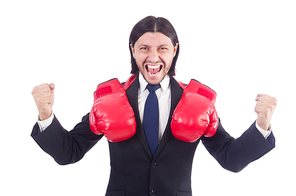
(65, 147)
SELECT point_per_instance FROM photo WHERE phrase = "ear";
(175, 49)
(133, 51)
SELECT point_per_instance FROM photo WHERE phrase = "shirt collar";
(164, 84)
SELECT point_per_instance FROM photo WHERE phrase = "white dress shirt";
(164, 103)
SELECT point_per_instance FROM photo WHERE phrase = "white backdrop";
(238, 48)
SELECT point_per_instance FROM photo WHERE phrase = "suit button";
(152, 192)
(153, 164)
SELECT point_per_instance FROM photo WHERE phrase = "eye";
(143, 48)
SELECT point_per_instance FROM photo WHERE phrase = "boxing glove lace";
(195, 114)
(112, 114)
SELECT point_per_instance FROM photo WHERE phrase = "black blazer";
(134, 172)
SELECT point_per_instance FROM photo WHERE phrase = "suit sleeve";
(66, 147)
(235, 154)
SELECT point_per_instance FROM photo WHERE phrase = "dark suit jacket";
(134, 172)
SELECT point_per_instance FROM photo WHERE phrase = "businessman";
(153, 122)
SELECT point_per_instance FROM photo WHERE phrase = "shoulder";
(195, 86)
(184, 85)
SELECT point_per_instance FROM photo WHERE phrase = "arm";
(235, 154)
(66, 147)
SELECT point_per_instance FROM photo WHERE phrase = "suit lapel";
(132, 95)
(176, 94)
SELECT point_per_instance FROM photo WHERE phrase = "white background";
(239, 48)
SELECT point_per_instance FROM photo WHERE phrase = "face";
(154, 53)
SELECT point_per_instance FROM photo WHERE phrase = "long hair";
(153, 24)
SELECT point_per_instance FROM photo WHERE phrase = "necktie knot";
(152, 88)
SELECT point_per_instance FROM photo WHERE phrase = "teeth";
(154, 67)
(151, 74)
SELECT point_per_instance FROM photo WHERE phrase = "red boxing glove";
(112, 114)
(195, 114)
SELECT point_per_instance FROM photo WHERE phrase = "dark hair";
(153, 24)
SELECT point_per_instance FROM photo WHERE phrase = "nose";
(154, 56)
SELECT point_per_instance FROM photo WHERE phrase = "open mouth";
(153, 69)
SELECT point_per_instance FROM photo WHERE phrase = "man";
(152, 156)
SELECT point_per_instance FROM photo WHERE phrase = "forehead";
(153, 39)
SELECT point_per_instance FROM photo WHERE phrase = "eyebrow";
(141, 45)
(163, 45)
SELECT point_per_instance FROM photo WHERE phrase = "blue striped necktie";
(151, 118)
